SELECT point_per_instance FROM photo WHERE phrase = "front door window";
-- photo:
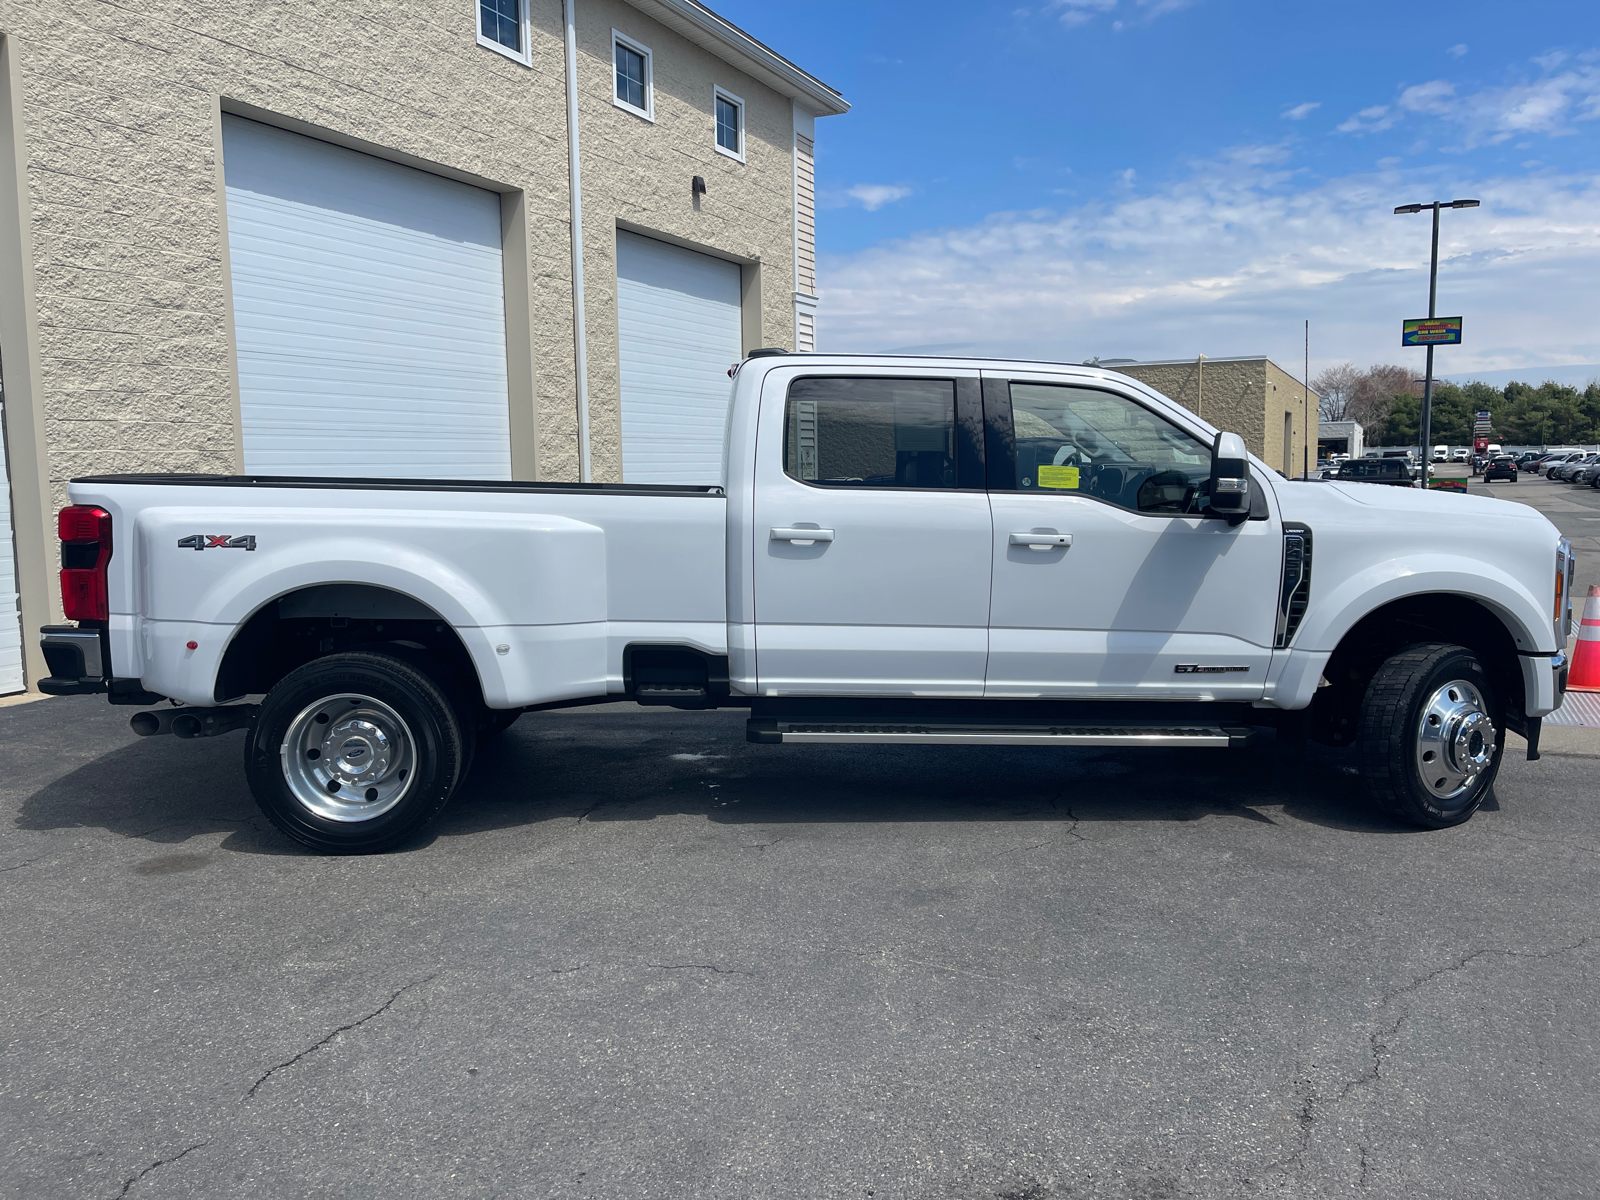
(1105, 446)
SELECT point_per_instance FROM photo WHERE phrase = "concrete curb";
(1564, 741)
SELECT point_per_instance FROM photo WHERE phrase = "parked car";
(1460, 456)
(956, 551)
(1558, 460)
(1563, 471)
(1395, 472)
(1502, 466)
(1584, 472)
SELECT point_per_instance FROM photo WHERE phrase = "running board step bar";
(770, 731)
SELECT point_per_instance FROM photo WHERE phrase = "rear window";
(1377, 468)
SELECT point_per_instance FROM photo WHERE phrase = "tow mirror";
(1230, 477)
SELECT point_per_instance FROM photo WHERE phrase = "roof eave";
(737, 48)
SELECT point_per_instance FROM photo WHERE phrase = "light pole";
(1424, 428)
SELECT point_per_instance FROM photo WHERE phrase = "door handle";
(802, 537)
(1042, 541)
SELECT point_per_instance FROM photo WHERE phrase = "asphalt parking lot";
(641, 958)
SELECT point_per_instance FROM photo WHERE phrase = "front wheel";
(1431, 735)
(354, 753)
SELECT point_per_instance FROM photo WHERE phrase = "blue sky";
(1160, 178)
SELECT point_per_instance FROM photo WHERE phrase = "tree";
(1400, 422)
(1336, 386)
(1380, 384)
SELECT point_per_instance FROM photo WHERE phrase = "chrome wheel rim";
(349, 757)
(1455, 740)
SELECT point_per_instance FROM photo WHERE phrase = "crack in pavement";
(160, 1162)
(1517, 837)
(694, 967)
(1378, 1048)
(1462, 962)
(18, 866)
(256, 1086)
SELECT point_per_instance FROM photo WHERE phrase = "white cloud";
(1437, 97)
(1370, 120)
(1080, 12)
(1301, 111)
(1229, 261)
(873, 196)
(1457, 50)
(1159, 8)
(1073, 13)
(1550, 104)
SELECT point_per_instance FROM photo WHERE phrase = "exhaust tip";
(145, 724)
(187, 726)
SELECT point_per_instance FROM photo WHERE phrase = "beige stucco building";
(1251, 396)
(302, 239)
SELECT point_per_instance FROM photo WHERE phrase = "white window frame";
(524, 22)
(648, 112)
(721, 93)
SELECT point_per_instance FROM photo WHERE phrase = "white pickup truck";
(902, 550)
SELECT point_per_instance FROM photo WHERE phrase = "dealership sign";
(1431, 331)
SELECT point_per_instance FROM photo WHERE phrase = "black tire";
(364, 695)
(1412, 710)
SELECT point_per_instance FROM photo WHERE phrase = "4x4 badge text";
(217, 541)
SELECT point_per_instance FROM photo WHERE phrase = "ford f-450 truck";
(902, 550)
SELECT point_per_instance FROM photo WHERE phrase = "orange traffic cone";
(1585, 674)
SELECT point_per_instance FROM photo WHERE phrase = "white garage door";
(10, 618)
(678, 326)
(369, 308)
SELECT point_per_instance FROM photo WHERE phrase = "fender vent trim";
(1295, 593)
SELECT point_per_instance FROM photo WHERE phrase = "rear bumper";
(80, 666)
(76, 658)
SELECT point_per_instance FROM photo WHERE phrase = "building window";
(503, 27)
(730, 125)
(633, 90)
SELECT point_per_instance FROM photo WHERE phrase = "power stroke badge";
(217, 541)
(1198, 669)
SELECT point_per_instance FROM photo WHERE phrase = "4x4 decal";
(217, 541)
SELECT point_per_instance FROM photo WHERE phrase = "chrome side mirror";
(1229, 486)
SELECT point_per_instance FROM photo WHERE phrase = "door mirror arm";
(1229, 485)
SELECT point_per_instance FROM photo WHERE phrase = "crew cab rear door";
(871, 534)
(1107, 584)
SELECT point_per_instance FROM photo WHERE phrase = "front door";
(871, 536)
(1108, 583)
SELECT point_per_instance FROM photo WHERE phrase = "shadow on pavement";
(640, 766)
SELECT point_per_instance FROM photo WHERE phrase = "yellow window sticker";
(1058, 477)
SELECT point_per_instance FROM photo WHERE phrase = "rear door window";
(872, 432)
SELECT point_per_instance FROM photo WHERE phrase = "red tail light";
(85, 552)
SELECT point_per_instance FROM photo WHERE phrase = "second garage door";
(679, 330)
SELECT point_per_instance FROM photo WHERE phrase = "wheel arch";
(315, 620)
(1449, 617)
